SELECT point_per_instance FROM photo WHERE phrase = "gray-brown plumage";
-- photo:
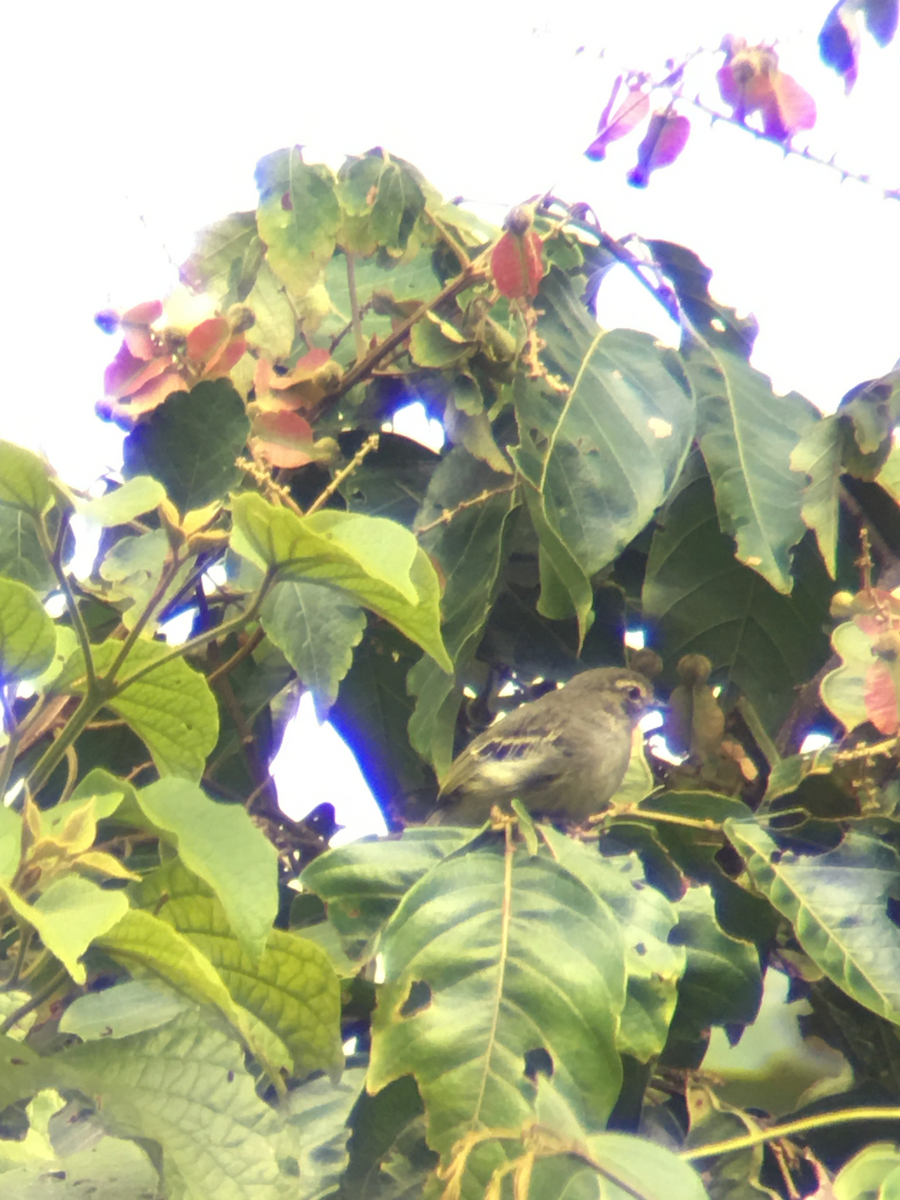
(562, 755)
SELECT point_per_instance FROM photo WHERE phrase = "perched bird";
(562, 755)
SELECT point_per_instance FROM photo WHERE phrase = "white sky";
(128, 127)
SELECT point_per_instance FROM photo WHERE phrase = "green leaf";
(605, 452)
(722, 982)
(489, 958)
(122, 1010)
(185, 1087)
(137, 495)
(819, 453)
(112, 1169)
(843, 690)
(647, 921)
(397, 207)
(719, 326)
(436, 343)
(472, 550)
(320, 1109)
(70, 914)
(215, 249)
(171, 708)
(143, 942)
(873, 1174)
(10, 842)
(363, 883)
(131, 571)
(702, 600)
(298, 217)
(747, 435)
(190, 443)
(21, 555)
(98, 785)
(376, 561)
(220, 844)
(24, 482)
(732, 1176)
(272, 333)
(316, 631)
(27, 634)
(291, 988)
(22, 1071)
(631, 1166)
(838, 905)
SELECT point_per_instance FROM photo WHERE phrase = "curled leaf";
(516, 265)
(630, 113)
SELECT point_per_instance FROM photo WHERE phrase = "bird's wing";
(526, 748)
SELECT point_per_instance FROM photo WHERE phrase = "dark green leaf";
(702, 600)
(190, 443)
(316, 629)
(719, 326)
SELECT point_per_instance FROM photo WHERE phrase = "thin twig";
(358, 339)
(449, 513)
(370, 444)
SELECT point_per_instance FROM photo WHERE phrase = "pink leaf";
(630, 113)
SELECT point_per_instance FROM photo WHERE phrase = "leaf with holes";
(838, 905)
(291, 988)
(499, 965)
(747, 435)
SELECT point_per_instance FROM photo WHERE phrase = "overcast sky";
(129, 127)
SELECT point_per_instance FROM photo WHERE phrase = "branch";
(371, 443)
(820, 1121)
(449, 513)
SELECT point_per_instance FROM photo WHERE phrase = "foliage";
(528, 1006)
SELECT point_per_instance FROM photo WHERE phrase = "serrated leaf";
(298, 217)
(363, 883)
(819, 454)
(316, 630)
(190, 443)
(137, 495)
(763, 641)
(175, 1086)
(747, 435)
(838, 905)
(376, 561)
(220, 844)
(492, 956)
(27, 634)
(24, 480)
(171, 708)
(291, 988)
(70, 914)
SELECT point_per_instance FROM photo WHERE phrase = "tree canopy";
(198, 999)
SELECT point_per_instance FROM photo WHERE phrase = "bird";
(563, 755)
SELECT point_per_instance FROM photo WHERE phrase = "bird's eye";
(635, 694)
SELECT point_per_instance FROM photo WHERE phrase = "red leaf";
(881, 698)
(206, 341)
(143, 314)
(126, 373)
(285, 439)
(665, 139)
(630, 113)
(304, 369)
(517, 266)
